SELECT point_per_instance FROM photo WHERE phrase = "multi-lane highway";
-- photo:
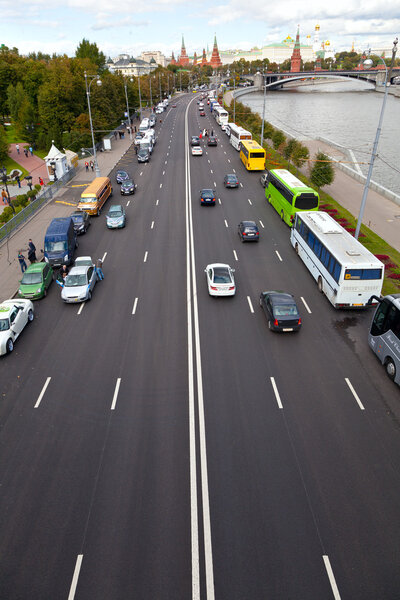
(157, 443)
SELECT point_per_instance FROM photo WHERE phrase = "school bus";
(95, 195)
(252, 155)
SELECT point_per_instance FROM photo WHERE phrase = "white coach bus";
(238, 134)
(346, 272)
(221, 115)
(384, 335)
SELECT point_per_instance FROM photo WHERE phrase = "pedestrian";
(212, 131)
(41, 182)
(22, 262)
(18, 181)
(201, 135)
(63, 273)
(31, 150)
(135, 129)
(4, 196)
(26, 152)
(115, 134)
(17, 148)
(136, 149)
(31, 251)
(99, 270)
(86, 165)
(92, 165)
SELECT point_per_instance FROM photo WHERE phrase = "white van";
(144, 125)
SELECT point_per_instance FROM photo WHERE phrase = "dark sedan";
(248, 231)
(143, 155)
(231, 181)
(281, 311)
(195, 140)
(207, 196)
(122, 176)
(128, 187)
(212, 141)
(81, 221)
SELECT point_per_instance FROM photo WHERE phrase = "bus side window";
(378, 324)
(393, 320)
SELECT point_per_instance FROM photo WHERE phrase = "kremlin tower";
(183, 59)
(173, 61)
(215, 60)
(195, 59)
(295, 62)
(204, 59)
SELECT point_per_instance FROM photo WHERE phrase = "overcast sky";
(131, 27)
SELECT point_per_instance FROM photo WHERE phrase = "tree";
(87, 50)
(278, 139)
(300, 155)
(322, 173)
(290, 148)
(3, 144)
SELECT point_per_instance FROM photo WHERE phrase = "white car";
(220, 280)
(78, 284)
(83, 261)
(14, 315)
(197, 151)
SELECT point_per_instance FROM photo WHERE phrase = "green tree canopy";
(90, 50)
(322, 173)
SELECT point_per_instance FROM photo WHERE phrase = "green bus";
(288, 195)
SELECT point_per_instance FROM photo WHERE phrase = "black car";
(122, 176)
(231, 181)
(128, 187)
(143, 155)
(281, 311)
(195, 140)
(207, 196)
(81, 221)
(248, 231)
(212, 141)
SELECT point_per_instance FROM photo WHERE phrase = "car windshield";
(60, 246)
(77, 218)
(31, 278)
(231, 177)
(221, 275)
(127, 183)
(285, 310)
(4, 324)
(115, 213)
(75, 280)
(142, 152)
(207, 193)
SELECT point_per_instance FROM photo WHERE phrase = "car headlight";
(66, 257)
(38, 290)
(46, 259)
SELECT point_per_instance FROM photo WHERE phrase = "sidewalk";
(33, 164)
(10, 272)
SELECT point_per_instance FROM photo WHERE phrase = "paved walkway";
(33, 164)
(10, 272)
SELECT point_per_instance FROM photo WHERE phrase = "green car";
(35, 281)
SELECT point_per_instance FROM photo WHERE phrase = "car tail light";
(276, 324)
(232, 287)
(244, 233)
(257, 233)
(213, 288)
(299, 322)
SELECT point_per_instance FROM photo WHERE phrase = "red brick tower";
(195, 59)
(295, 61)
(215, 57)
(204, 59)
(173, 61)
(183, 59)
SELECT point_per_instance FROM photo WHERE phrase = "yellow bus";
(94, 196)
(252, 155)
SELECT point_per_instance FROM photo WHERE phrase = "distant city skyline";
(159, 25)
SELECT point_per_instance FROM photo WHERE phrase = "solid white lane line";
(277, 396)
(331, 576)
(114, 400)
(278, 255)
(145, 256)
(128, 203)
(235, 255)
(353, 391)
(250, 304)
(306, 305)
(226, 224)
(249, 201)
(81, 308)
(156, 202)
(134, 306)
(74, 583)
(152, 225)
(262, 224)
(160, 185)
(44, 388)
(241, 185)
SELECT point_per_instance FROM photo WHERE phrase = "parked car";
(128, 187)
(36, 281)
(122, 176)
(197, 151)
(116, 218)
(195, 140)
(231, 181)
(78, 284)
(220, 280)
(138, 137)
(248, 231)
(207, 196)
(143, 155)
(14, 315)
(212, 141)
(281, 311)
(81, 221)
(83, 261)
(60, 242)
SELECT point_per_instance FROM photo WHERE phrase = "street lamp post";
(263, 115)
(368, 63)
(140, 95)
(159, 81)
(151, 97)
(127, 109)
(4, 179)
(98, 81)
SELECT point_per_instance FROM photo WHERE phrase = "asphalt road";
(181, 449)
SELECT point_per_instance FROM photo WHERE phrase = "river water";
(346, 113)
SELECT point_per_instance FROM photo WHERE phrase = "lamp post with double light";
(98, 82)
(368, 64)
(127, 107)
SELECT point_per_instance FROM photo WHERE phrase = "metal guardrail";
(47, 194)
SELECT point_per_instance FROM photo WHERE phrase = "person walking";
(26, 152)
(4, 196)
(31, 150)
(99, 269)
(31, 251)
(18, 181)
(17, 148)
(22, 263)
(92, 165)
(86, 165)
(41, 182)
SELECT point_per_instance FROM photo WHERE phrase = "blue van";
(60, 242)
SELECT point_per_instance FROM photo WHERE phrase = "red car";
(202, 113)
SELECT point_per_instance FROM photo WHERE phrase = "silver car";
(78, 284)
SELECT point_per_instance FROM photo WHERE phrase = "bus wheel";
(296, 248)
(390, 369)
(320, 285)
